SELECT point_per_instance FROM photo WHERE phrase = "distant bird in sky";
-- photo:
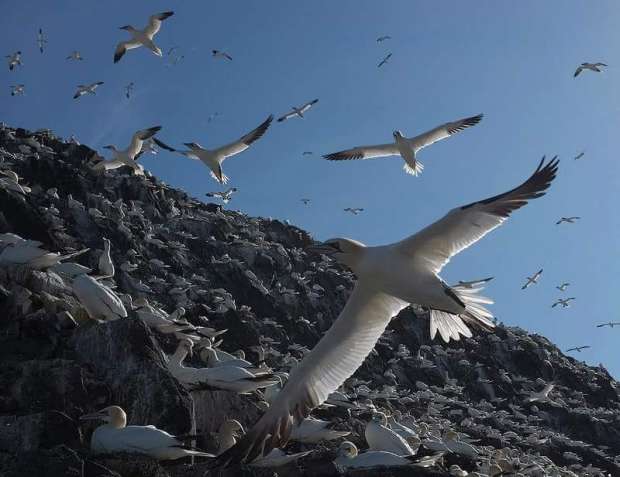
(15, 59)
(580, 155)
(17, 90)
(383, 38)
(563, 286)
(611, 324)
(354, 210)
(589, 66)
(567, 220)
(578, 348)
(385, 60)
(563, 302)
(306, 201)
(41, 41)
(129, 90)
(127, 157)
(407, 148)
(212, 116)
(223, 196)
(532, 280)
(307, 153)
(75, 55)
(86, 89)
(213, 158)
(298, 111)
(142, 37)
(389, 278)
(220, 54)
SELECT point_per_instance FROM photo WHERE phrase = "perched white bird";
(578, 348)
(349, 457)
(213, 158)
(99, 300)
(381, 438)
(18, 90)
(611, 324)
(298, 111)
(563, 302)
(75, 55)
(532, 280)
(142, 37)
(41, 41)
(588, 66)
(127, 157)
(14, 59)
(223, 196)
(86, 89)
(106, 266)
(407, 148)
(563, 286)
(567, 220)
(383, 38)
(220, 54)
(116, 436)
(385, 60)
(311, 431)
(354, 210)
(389, 278)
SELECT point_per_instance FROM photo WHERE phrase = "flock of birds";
(389, 278)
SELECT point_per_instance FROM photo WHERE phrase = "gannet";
(75, 55)
(307, 153)
(30, 254)
(117, 436)
(223, 196)
(563, 286)
(106, 266)
(127, 157)
(142, 37)
(383, 38)
(11, 182)
(15, 59)
(588, 66)
(213, 158)
(385, 60)
(407, 148)
(99, 300)
(578, 348)
(567, 220)
(17, 89)
(354, 210)
(389, 278)
(474, 283)
(41, 41)
(564, 302)
(298, 111)
(129, 90)
(349, 457)
(381, 438)
(86, 89)
(580, 155)
(312, 431)
(220, 54)
(214, 362)
(450, 442)
(305, 201)
(532, 280)
(541, 396)
(611, 324)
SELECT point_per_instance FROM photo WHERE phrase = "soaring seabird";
(298, 111)
(385, 60)
(563, 302)
(567, 220)
(563, 286)
(17, 90)
(213, 158)
(354, 210)
(580, 155)
(41, 41)
(389, 278)
(220, 54)
(306, 201)
(117, 436)
(75, 55)
(86, 89)
(611, 324)
(588, 66)
(142, 37)
(127, 157)
(407, 148)
(532, 280)
(578, 348)
(223, 196)
(14, 60)
(383, 38)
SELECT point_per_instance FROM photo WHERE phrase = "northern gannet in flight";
(75, 55)
(354, 210)
(129, 90)
(18, 90)
(116, 436)
(611, 324)
(213, 158)
(223, 196)
(385, 60)
(220, 54)
(350, 458)
(383, 38)
(298, 111)
(589, 66)
(306, 201)
(563, 302)
(142, 37)
(86, 89)
(567, 220)
(407, 148)
(578, 348)
(127, 157)
(389, 278)
(532, 280)
(580, 155)
(563, 286)
(15, 59)
(540, 396)
(41, 41)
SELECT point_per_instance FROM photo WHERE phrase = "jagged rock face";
(251, 277)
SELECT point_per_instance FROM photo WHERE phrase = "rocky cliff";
(251, 277)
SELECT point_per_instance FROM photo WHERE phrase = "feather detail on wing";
(364, 152)
(243, 143)
(442, 132)
(155, 23)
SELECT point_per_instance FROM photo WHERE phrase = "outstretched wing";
(444, 131)
(364, 152)
(122, 48)
(308, 105)
(243, 143)
(463, 226)
(336, 357)
(138, 139)
(155, 23)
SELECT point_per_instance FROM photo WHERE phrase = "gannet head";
(113, 415)
(346, 251)
(397, 134)
(380, 418)
(347, 449)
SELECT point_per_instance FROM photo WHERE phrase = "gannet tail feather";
(414, 171)
(222, 178)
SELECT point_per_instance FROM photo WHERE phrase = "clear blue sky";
(512, 61)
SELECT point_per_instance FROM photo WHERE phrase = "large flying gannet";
(213, 158)
(532, 280)
(407, 148)
(389, 278)
(588, 66)
(127, 157)
(564, 302)
(298, 111)
(86, 89)
(116, 436)
(142, 37)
